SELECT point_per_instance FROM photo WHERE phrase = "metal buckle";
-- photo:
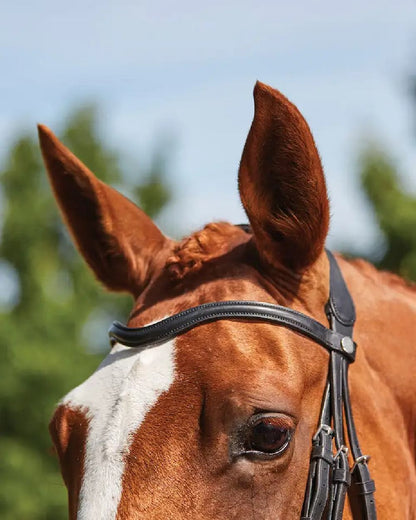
(343, 449)
(323, 427)
(359, 460)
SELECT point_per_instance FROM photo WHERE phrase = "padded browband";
(177, 324)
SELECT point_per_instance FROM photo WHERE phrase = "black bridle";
(330, 476)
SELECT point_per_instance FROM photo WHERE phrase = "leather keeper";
(342, 475)
(363, 488)
(321, 452)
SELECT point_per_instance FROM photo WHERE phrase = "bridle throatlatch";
(330, 476)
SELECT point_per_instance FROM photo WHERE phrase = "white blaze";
(117, 398)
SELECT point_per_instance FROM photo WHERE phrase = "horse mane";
(387, 277)
(218, 238)
(192, 252)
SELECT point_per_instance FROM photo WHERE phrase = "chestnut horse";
(175, 431)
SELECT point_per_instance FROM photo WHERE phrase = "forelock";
(214, 240)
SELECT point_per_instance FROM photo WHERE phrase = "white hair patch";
(116, 399)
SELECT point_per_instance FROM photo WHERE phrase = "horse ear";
(119, 242)
(282, 185)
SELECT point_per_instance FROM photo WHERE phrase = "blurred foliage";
(43, 332)
(395, 210)
(393, 204)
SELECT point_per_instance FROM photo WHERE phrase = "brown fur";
(179, 465)
(193, 252)
(282, 184)
(92, 209)
(68, 429)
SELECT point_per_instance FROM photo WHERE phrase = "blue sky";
(187, 69)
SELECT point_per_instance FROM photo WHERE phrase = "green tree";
(393, 204)
(395, 209)
(44, 331)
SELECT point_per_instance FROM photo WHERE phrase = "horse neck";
(385, 330)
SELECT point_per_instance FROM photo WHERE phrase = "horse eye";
(267, 435)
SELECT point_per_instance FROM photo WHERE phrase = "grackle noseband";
(330, 476)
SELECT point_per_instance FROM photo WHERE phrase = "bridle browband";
(330, 476)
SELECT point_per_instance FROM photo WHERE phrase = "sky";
(186, 70)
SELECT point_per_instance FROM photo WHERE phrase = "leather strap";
(177, 324)
(341, 315)
(336, 403)
(361, 491)
(340, 301)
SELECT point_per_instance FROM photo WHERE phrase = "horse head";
(217, 422)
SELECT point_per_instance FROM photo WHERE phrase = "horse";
(216, 421)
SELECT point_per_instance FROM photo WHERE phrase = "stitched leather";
(339, 297)
(341, 315)
(243, 310)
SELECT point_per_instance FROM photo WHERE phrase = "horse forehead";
(116, 399)
(121, 370)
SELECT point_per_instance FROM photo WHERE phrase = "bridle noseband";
(330, 476)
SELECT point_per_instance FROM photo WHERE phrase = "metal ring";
(359, 460)
(344, 449)
(323, 427)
